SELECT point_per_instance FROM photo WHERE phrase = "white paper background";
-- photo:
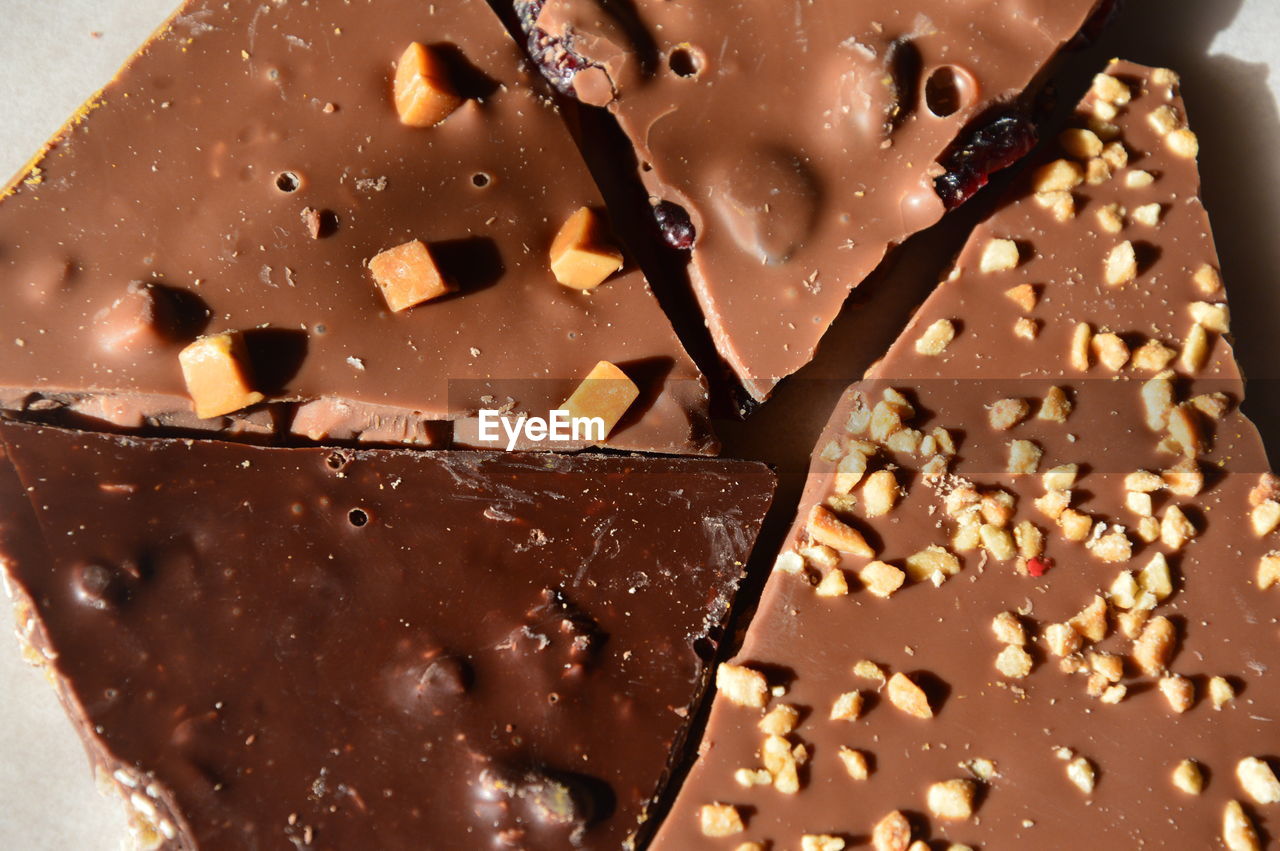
(56, 53)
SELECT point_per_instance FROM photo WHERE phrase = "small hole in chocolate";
(705, 648)
(685, 62)
(336, 461)
(287, 181)
(942, 92)
(480, 179)
(553, 698)
(358, 517)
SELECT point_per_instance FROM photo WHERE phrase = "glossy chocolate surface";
(1224, 624)
(803, 140)
(313, 648)
(246, 165)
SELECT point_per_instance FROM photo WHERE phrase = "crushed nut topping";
(720, 820)
(999, 255)
(951, 799)
(909, 697)
(1188, 777)
(891, 833)
(936, 338)
(855, 763)
(1238, 832)
(1258, 780)
(742, 685)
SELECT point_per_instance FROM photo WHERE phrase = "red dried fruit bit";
(674, 224)
(991, 143)
(1039, 565)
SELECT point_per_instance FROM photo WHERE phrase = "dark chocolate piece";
(246, 166)
(357, 649)
(1013, 617)
(790, 145)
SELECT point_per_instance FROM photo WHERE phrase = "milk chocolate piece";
(357, 649)
(1066, 675)
(790, 145)
(248, 165)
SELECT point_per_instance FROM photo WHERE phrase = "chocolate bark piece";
(346, 649)
(789, 146)
(1025, 659)
(241, 172)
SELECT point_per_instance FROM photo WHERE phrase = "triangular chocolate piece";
(242, 173)
(789, 146)
(1029, 596)
(357, 649)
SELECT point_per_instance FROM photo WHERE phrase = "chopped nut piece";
(1081, 772)
(606, 393)
(750, 846)
(1111, 218)
(1164, 120)
(1014, 662)
(1195, 349)
(1080, 143)
(868, 670)
(1025, 328)
(1214, 405)
(881, 578)
(1143, 482)
(1123, 592)
(880, 493)
(849, 472)
(825, 528)
(1265, 517)
(834, 584)
(1097, 171)
(1004, 414)
(909, 697)
(1061, 204)
(1156, 579)
(1137, 179)
(1122, 265)
(782, 762)
(951, 799)
(1183, 143)
(847, 707)
(1078, 353)
(982, 769)
(1214, 317)
(789, 561)
(1154, 647)
(1184, 431)
(930, 562)
(1024, 457)
(581, 256)
(906, 441)
(1147, 214)
(1157, 401)
(1058, 176)
(998, 542)
(1139, 503)
(1176, 529)
(892, 833)
(1269, 570)
(1056, 407)
(1115, 155)
(1207, 279)
(1107, 665)
(1238, 832)
(886, 418)
(720, 820)
(1111, 351)
(936, 337)
(218, 374)
(855, 763)
(997, 507)
(1023, 295)
(1111, 89)
(747, 777)
(1111, 547)
(1113, 694)
(1153, 356)
(1075, 525)
(1132, 622)
(821, 555)
(821, 842)
(407, 275)
(423, 93)
(780, 720)
(1008, 629)
(742, 685)
(1184, 478)
(1257, 778)
(1029, 538)
(1091, 621)
(1179, 691)
(1188, 777)
(999, 255)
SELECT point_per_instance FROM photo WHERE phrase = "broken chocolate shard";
(799, 144)
(373, 647)
(266, 210)
(1071, 547)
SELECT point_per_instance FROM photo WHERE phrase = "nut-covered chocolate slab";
(789, 145)
(313, 648)
(240, 175)
(1030, 596)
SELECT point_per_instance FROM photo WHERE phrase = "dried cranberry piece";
(1039, 565)
(674, 223)
(994, 142)
(553, 55)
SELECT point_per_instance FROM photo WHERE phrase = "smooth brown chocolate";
(789, 146)
(340, 649)
(1027, 653)
(241, 173)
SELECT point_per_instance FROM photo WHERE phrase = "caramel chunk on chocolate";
(423, 93)
(605, 393)
(218, 374)
(581, 257)
(408, 275)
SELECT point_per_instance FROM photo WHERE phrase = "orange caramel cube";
(606, 393)
(218, 374)
(580, 257)
(408, 275)
(423, 94)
